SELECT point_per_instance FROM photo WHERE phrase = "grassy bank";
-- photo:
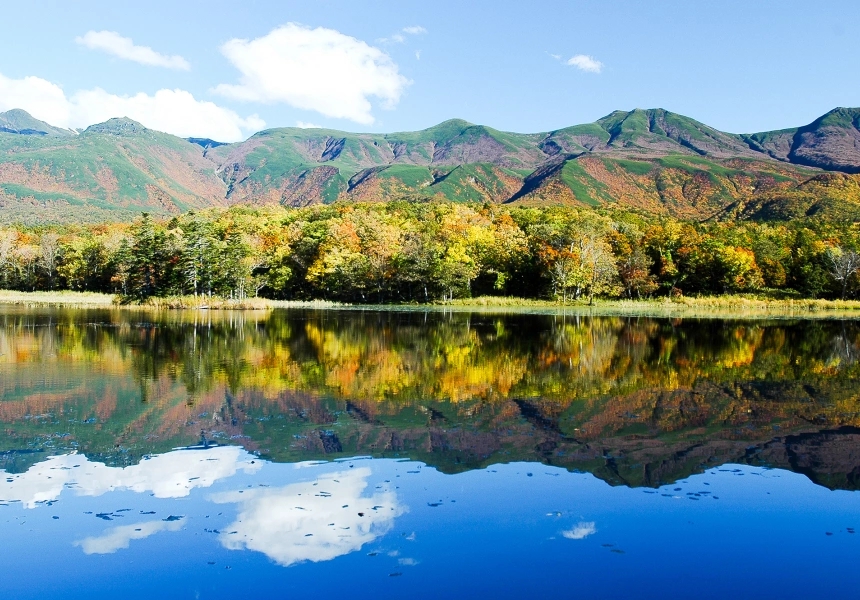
(89, 299)
(713, 306)
(716, 306)
(64, 298)
(207, 303)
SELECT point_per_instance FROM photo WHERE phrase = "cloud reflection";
(310, 521)
(581, 531)
(119, 538)
(170, 475)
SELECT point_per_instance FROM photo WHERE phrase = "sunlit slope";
(696, 188)
(305, 166)
(114, 170)
(652, 160)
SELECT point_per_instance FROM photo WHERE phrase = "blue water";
(221, 523)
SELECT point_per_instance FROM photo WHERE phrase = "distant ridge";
(21, 122)
(648, 159)
(830, 142)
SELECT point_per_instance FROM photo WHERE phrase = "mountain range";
(651, 160)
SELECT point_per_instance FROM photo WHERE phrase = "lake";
(426, 454)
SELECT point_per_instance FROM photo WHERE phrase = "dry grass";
(713, 306)
(206, 303)
(85, 299)
(64, 298)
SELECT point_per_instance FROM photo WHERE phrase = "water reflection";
(637, 401)
(118, 538)
(349, 527)
(580, 531)
(310, 521)
(171, 475)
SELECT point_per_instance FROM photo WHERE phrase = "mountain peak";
(838, 117)
(21, 122)
(451, 127)
(454, 123)
(118, 126)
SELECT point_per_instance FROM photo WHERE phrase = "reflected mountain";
(636, 401)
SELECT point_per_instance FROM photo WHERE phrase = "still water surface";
(428, 455)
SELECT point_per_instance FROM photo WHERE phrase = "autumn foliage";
(423, 252)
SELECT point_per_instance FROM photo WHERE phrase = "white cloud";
(171, 111)
(41, 98)
(123, 47)
(310, 521)
(418, 55)
(399, 38)
(314, 69)
(171, 475)
(581, 531)
(555, 56)
(118, 538)
(395, 38)
(583, 62)
(305, 125)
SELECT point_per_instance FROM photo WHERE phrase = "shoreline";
(707, 307)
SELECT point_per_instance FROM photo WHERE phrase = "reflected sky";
(118, 538)
(312, 520)
(171, 475)
(365, 527)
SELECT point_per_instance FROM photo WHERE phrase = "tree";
(196, 256)
(49, 253)
(234, 269)
(809, 269)
(599, 264)
(83, 264)
(843, 265)
(8, 238)
(149, 259)
(739, 270)
(635, 274)
(566, 274)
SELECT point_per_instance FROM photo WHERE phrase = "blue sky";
(226, 69)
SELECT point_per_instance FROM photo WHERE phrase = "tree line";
(423, 252)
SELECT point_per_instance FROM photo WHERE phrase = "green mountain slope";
(114, 170)
(652, 160)
(830, 142)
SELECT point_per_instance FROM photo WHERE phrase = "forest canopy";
(422, 252)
